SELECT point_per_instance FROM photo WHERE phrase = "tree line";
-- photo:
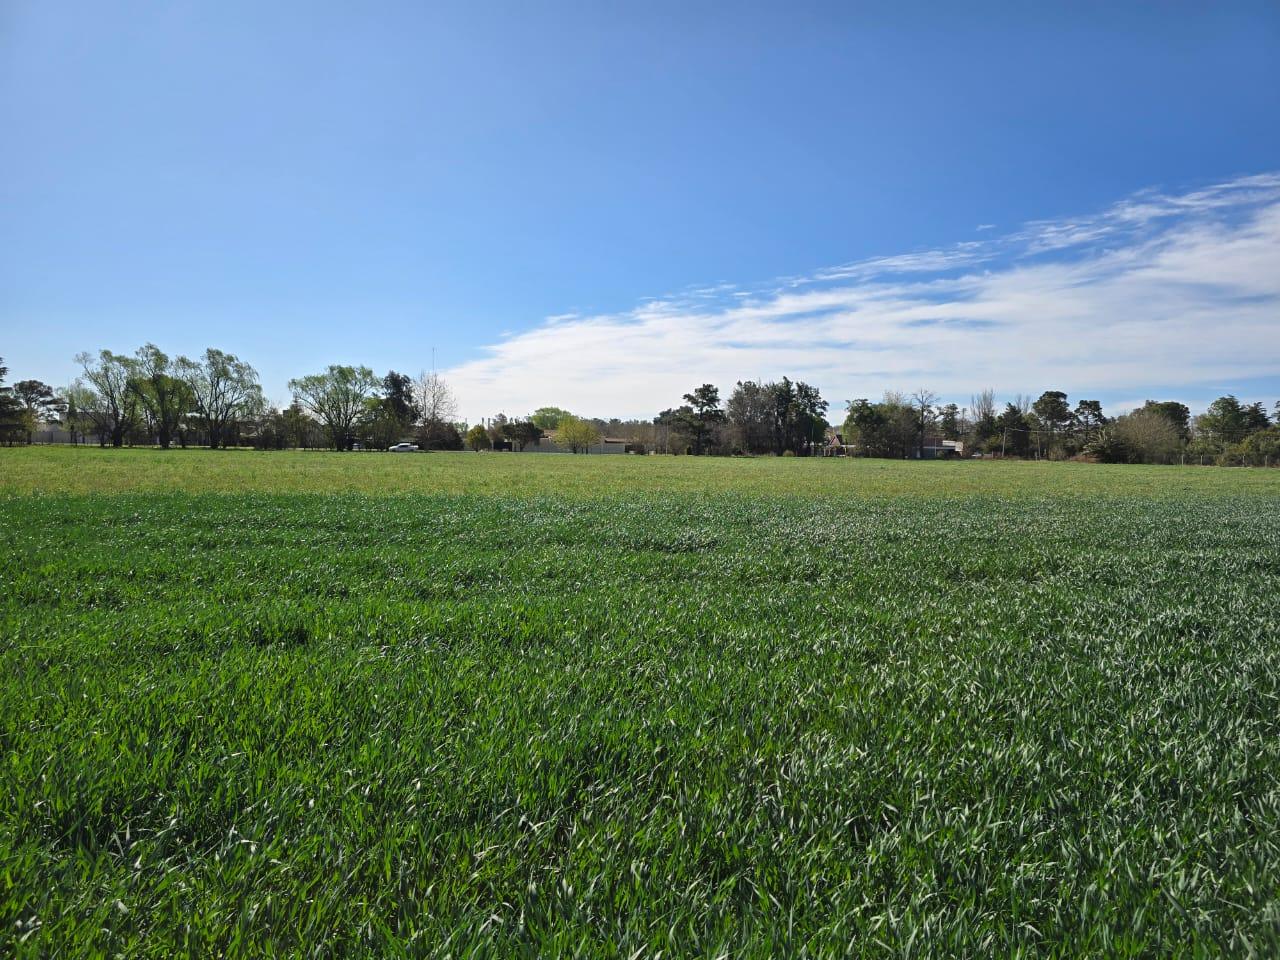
(216, 400)
(787, 418)
(1160, 431)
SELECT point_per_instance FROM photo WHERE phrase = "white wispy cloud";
(1158, 289)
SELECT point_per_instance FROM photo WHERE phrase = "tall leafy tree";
(866, 429)
(440, 436)
(1224, 423)
(298, 426)
(12, 427)
(782, 397)
(394, 412)
(521, 433)
(902, 424)
(497, 427)
(1255, 417)
(1053, 412)
(671, 426)
(775, 417)
(271, 432)
(949, 422)
(39, 404)
(577, 434)
(703, 413)
(1089, 417)
(1147, 435)
(1178, 414)
(114, 407)
(885, 429)
(380, 425)
(165, 397)
(399, 397)
(77, 416)
(808, 422)
(548, 418)
(1014, 430)
(224, 390)
(338, 399)
(38, 397)
(749, 414)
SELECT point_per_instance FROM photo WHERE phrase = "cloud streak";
(1158, 289)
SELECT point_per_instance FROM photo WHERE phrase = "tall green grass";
(639, 724)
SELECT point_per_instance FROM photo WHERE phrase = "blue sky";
(599, 206)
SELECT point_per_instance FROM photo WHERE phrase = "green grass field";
(89, 470)
(254, 704)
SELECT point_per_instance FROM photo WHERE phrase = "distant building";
(53, 433)
(936, 448)
(835, 445)
(549, 444)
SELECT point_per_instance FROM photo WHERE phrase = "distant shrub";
(435, 435)
(1107, 447)
(1143, 436)
(1262, 447)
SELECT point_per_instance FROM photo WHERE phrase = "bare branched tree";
(924, 403)
(982, 406)
(435, 400)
